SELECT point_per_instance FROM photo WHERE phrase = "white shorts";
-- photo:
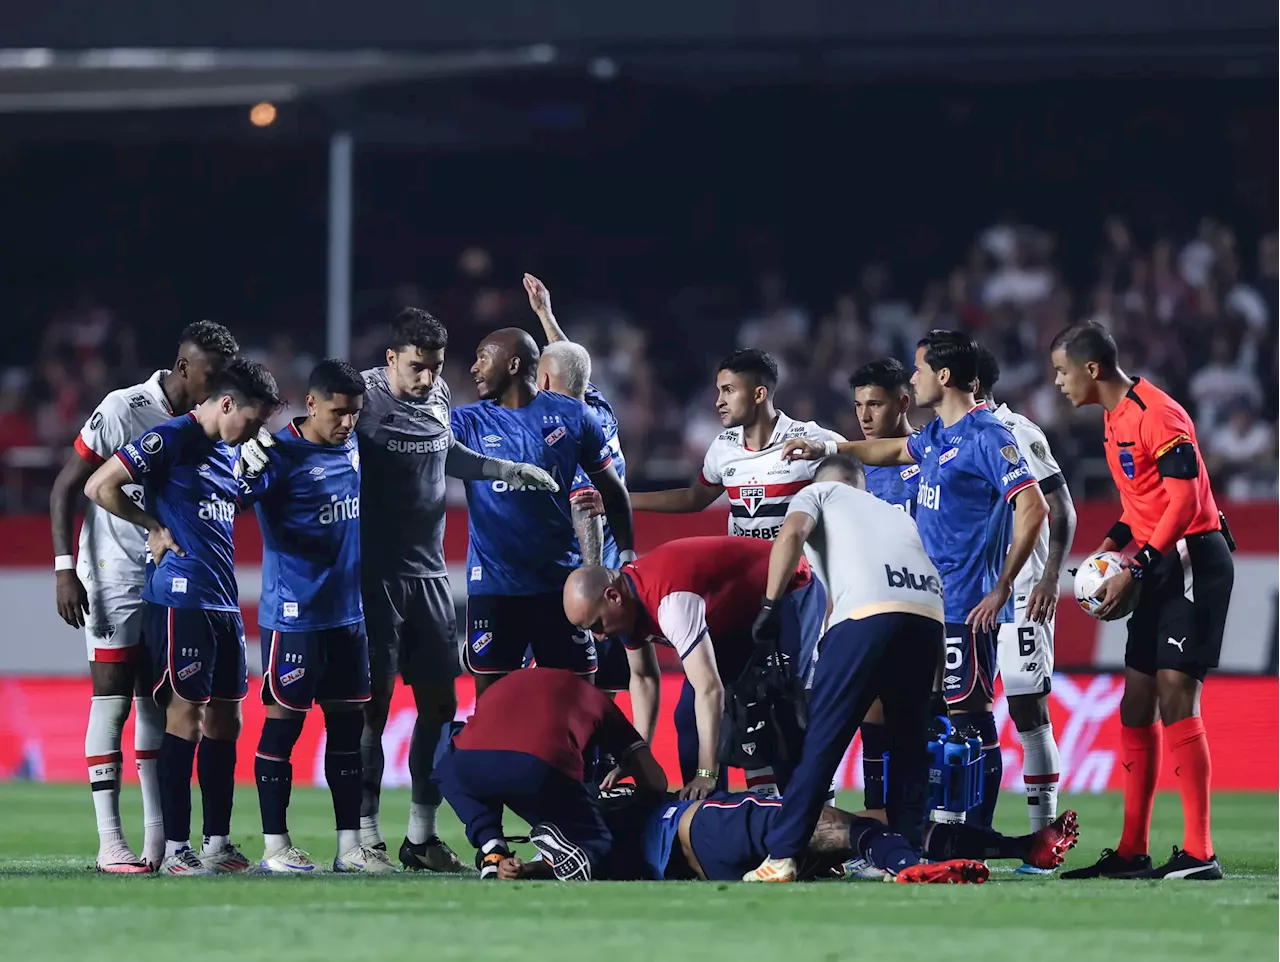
(1024, 652)
(113, 628)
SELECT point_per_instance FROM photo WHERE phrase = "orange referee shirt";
(1145, 426)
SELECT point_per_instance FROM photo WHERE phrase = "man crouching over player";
(193, 627)
(314, 646)
(526, 748)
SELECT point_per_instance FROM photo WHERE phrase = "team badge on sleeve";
(1010, 453)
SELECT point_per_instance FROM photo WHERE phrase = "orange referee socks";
(1193, 769)
(1140, 758)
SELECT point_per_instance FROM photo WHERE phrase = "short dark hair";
(848, 467)
(211, 337)
(887, 373)
(1087, 342)
(988, 371)
(754, 362)
(249, 382)
(955, 351)
(332, 376)
(413, 327)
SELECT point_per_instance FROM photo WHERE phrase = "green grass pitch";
(53, 907)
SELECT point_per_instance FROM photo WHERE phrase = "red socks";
(1140, 758)
(1193, 769)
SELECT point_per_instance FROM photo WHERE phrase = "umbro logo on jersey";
(317, 473)
(492, 439)
(203, 468)
(751, 497)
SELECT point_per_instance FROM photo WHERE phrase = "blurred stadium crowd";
(1196, 314)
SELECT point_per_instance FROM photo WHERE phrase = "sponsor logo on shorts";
(178, 586)
(952, 679)
(481, 640)
(151, 443)
(749, 747)
(289, 677)
(290, 609)
(103, 631)
(948, 456)
(190, 670)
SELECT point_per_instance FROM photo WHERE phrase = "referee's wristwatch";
(1143, 561)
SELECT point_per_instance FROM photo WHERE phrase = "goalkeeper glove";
(519, 475)
(255, 454)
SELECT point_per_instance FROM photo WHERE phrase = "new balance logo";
(1178, 644)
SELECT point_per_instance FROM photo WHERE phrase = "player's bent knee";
(223, 720)
(436, 700)
(112, 678)
(1178, 695)
(279, 735)
(1028, 712)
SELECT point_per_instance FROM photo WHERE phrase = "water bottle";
(975, 770)
(954, 773)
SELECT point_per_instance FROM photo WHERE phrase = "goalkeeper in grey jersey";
(406, 449)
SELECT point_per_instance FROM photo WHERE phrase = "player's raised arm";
(882, 452)
(540, 301)
(697, 496)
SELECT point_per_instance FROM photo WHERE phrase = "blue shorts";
(300, 668)
(196, 654)
(613, 672)
(970, 664)
(500, 628)
(728, 831)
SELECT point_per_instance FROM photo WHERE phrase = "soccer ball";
(1091, 576)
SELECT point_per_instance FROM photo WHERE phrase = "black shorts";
(412, 629)
(300, 668)
(195, 654)
(1182, 609)
(970, 664)
(500, 628)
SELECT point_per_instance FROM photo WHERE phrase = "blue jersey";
(661, 830)
(968, 474)
(308, 503)
(191, 489)
(613, 448)
(896, 484)
(522, 542)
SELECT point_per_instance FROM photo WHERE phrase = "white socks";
(271, 844)
(348, 840)
(1040, 764)
(173, 848)
(148, 733)
(422, 822)
(213, 844)
(107, 714)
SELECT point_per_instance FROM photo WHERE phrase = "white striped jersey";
(760, 484)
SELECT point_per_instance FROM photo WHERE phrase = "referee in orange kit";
(1184, 569)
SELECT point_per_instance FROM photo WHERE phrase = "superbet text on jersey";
(112, 558)
(760, 484)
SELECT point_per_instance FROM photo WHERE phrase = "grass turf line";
(52, 907)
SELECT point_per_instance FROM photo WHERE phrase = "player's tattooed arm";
(71, 597)
(105, 488)
(1043, 600)
(881, 452)
(540, 301)
(617, 506)
(586, 508)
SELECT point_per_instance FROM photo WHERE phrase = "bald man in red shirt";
(1183, 566)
